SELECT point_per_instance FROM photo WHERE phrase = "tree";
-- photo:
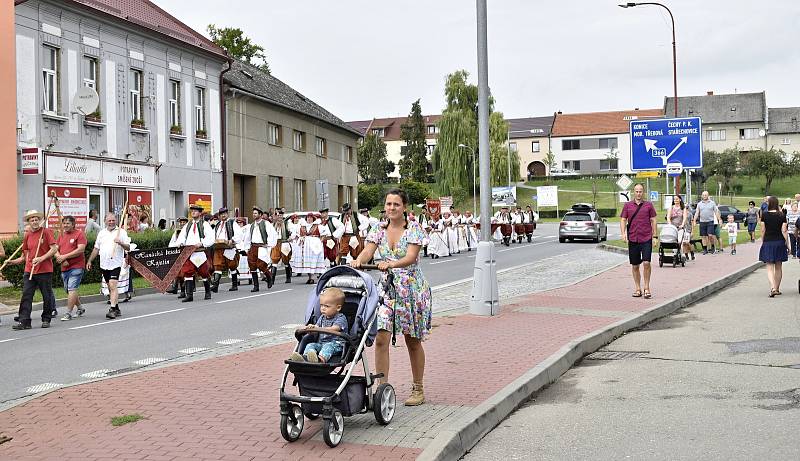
(414, 164)
(501, 152)
(724, 165)
(772, 164)
(550, 162)
(239, 46)
(373, 167)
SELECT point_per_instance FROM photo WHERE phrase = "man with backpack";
(638, 228)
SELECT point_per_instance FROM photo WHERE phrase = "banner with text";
(446, 203)
(31, 160)
(547, 196)
(73, 201)
(160, 266)
(504, 196)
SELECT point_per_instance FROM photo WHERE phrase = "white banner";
(73, 170)
(547, 196)
(504, 196)
(121, 174)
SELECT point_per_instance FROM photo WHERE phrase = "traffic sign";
(624, 182)
(674, 169)
(658, 143)
(646, 174)
(653, 196)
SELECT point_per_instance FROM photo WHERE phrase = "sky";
(369, 58)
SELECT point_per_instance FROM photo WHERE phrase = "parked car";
(583, 222)
(738, 216)
(562, 172)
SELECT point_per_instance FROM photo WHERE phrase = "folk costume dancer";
(354, 226)
(173, 242)
(469, 227)
(330, 232)
(227, 236)
(259, 238)
(282, 252)
(197, 232)
(311, 257)
(450, 232)
(519, 225)
(437, 247)
(461, 230)
(504, 219)
(424, 223)
(529, 220)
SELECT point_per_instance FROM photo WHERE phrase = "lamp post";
(474, 175)
(674, 60)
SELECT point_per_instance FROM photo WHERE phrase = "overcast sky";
(369, 58)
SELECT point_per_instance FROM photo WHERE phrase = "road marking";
(42, 387)
(149, 361)
(7, 340)
(112, 322)
(445, 261)
(192, 350)
(96, 374)
(253, 296)
(262, 333)
(227, 342)
(291, 326)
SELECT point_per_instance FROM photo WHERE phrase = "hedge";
(604, 213)
(151, 238)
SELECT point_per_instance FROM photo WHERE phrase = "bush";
(152, 238)
(417, 191)
(370, 195)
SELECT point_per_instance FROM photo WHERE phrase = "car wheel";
(561, 240)
(596, 239)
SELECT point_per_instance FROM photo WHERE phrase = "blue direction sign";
(673, 142)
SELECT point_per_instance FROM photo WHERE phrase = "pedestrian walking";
(259, 245)
(732, 228)
(72, 260)
(706, 213)
(638, 228)
(775, 244)
(198, 233)
(791, 219)
(227, 236)
(406, 310)
(111, 244)
(38, 247)
(91, 224)
(752, 219)
(678, 216)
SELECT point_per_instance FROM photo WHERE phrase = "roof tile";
(614, 122)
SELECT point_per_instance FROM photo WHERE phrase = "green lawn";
(12, 295)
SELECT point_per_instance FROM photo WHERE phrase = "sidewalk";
(227, 407)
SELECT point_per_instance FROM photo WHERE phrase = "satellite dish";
(762, 133)
(85, 100)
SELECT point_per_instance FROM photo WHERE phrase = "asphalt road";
(158, 327)
(716, 381)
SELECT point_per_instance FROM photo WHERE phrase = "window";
(608, 143)
(576, 165)
(299, 141)
(786, 141)
(608, 164)
(299, 194)
(275, 191)
(433, 129)
(136, 95)
(322, 147)
(748, 133)
(200, 109)
(571, 144)
(566, 164)
(715, 135)
(347, 154)
(379, 132)
(174, 103)
(535, 146)
(90, 72)
(275, 136)
(429, 149)
(50, 73)
(512, 146)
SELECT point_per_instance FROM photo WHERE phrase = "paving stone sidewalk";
(227, 407)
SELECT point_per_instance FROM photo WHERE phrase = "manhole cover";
(617, 355)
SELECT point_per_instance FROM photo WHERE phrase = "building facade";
(596, 142)
(284, 150)
(530, 138)
(155, 139)
(783, 131)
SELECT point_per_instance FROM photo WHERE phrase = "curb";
(458, 437)
(612, 249)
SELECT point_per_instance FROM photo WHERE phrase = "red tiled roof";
(392, 126)
(599, 122)
(145, 13)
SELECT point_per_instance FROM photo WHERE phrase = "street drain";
(617, 355)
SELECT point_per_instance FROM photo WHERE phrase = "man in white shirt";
(173, 242)
(330, 231)
(111, 244)
(197, 232)
(259, 238)
(227, 235)
(505, 220)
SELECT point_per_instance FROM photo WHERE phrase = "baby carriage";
(330, 389)
(669, 247)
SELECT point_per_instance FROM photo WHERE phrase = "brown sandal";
(637, 294)
(647, 294)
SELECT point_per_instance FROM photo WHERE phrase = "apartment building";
(783, 131)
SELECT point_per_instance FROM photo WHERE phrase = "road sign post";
(671, 145)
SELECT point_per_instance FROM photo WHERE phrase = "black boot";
(270, 278)
(274, 272)
(255, 281)
(215, 282)
(207, 286)
(173, 289)
(234, 282)
(530, 237)
(288, 274)
(425, 251)
(188, 286)
(182, 284)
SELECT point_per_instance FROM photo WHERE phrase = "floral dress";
(412, 301)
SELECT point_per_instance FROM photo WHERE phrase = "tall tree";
(373, 167)
(771, 164)
(238, 46)
(724, 164)
(414, 164)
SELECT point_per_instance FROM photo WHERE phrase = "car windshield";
(577, 217)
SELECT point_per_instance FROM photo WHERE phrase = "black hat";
(345, 208)
(364, 210)
(324, 210)
(183, 218)
(222, 210)
(196, 207)
(255, 208)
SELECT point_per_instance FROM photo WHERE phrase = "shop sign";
(31, 161)
(72, 201)
(73, 170)
(128, 175)
(202, 199)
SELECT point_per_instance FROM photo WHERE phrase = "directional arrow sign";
(657, 143)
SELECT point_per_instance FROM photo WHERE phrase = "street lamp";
(508, 146)
(674, 59)
(474, 175)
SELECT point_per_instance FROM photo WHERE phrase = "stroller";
(330, 389)
(669, 241)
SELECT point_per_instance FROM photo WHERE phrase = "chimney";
(635, 108)
(559, 113)
(709, 93)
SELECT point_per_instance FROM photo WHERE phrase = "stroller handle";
(369, 267)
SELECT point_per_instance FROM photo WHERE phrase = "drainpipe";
(224, 138)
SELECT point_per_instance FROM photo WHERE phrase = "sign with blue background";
(657, 143)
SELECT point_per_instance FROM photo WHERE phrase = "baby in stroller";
(332, 320)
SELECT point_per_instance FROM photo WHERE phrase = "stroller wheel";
(332, 429)
(384, 404)
(292, 424)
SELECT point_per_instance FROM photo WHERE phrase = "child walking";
(733, 229)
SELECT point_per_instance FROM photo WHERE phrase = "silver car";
(583, 222)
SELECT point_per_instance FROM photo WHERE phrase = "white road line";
(42, 387)
(192, 350)
(227, 342)
(253, 296)
(112, 322)
(442, 262)
(7, 340)
(262, 333)
(291, 326)
(149, 361)
(96, 374)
